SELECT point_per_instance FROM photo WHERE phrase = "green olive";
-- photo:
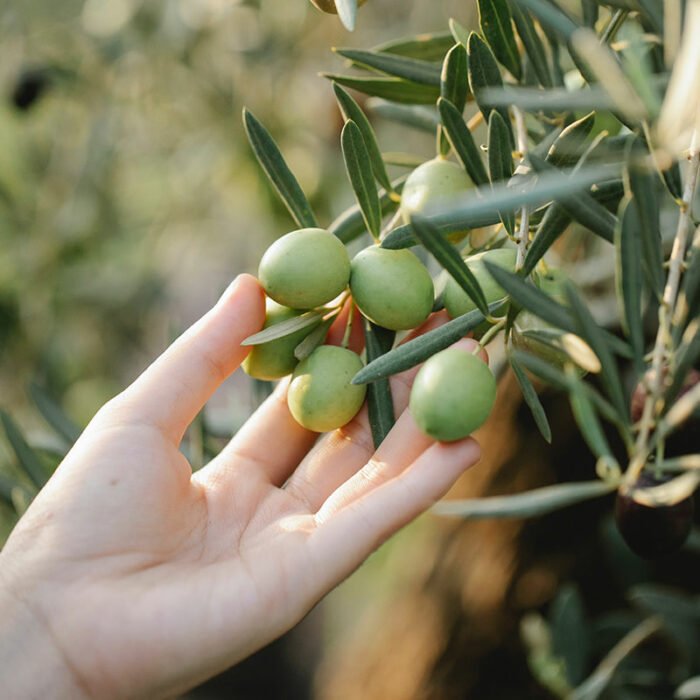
(434, 180)
(275, 359)
(457, 302)
(320, 396)
(305, 268)
(329, 5)
(453, 395)
(391, 288)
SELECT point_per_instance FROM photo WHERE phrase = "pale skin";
(130, 577)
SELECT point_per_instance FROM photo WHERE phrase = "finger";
(344, 538)
(271, 442)
(170, 393)
(336, 332)
(341, 454)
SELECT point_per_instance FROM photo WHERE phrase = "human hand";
(131, 577)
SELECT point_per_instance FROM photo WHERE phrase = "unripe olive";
(653, 532)
(320, 396)
(391, 288)
(452, 395)
(305, 268)
(434, 180)
(275, 359)
(457, 302)
(329, 5)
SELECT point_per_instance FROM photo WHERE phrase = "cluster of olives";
(310, 269)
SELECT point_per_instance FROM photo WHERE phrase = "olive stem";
(653, 404)
(489, 335)
(524, 231)
(348, 325)
(475, 121)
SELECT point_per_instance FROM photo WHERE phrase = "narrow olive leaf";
(672, 179)
(553, 99)
(685, 358)
(459, 32)
(500, 161)
(448, 257)
(351, 224)
(380, 405)
(316, 338)
(454, 83)
(462, 142)
(582, 207)
(403, 160)
(427, 47)
(415, 116)
(484, 73)
(571, 632)
(551, 17)
(359, 168)
(587, 419)
(27, 458)
(495, 23)
(347, 12)
(352, 111)
(569, 145)
(688, 304)
(590, 12)
(53, 414)
(589, 329)
(553, 224)
(689, 689)
(419, 349)
(542, 305)
(642, 184)
(554, 376)
(532, 400)
(393, 89)
(284, 328)
(628, 278)
(480, 206)
(278, 172)
(414, 70)
(529, 504)
(533, 45)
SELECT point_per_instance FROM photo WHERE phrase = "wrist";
(31, 663)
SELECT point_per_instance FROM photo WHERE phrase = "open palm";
(143, 580)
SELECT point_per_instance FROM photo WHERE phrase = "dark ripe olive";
(652, 533)
(31, 84)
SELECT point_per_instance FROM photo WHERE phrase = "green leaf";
(411, 69)
(352, 111)
(393, 89)
(571, 633)
(495, 23)
(587, 419)
(278, 172)
(532, 400)
(501, 161)
(359, 168)
(448, 257)
(589, 329)
(484, 73)
(642, 183)
(454, 83)
(553, 224)
(590, 11)
(628, 278)
(529, 504)
(459, 32)
(53, 414)
(284, 328)
(27, 458)
(316, 338)
(419, 349)
(533, 45)
(347, 12)
(685, 358)
(582, 208)
(462, 142)
(380, 405)
(415, 116)
(427, 47)
(569, 145)
(551, 100)
(351, 224)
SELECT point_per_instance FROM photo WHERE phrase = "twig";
(524, 231)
